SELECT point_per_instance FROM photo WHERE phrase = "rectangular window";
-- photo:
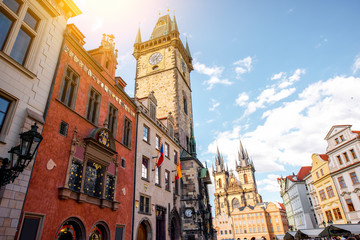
(330, 192)
(166, 150)
(342, 138)
(346, 157)
(337, 140)
(63, 128)
(144, 204)
(112, 119)
(110, 187)
(30, 227)
(123, 162)
(4, 109)
(167, 180)
(322, 172)
(175, 157)
(157, 175)
(339, 159)
(127, 132)
(341, 182)
(350, 205)
(18, 30)
(120, 233)
(93, 106)
(322, 195)
(337, 213)
(176, 186)
(317, 175)
(145, 168)
(263, 229)
(278, 228)
(157, 142)
(93, 179)
(76, 170)
(69, 85)
(353, 154)
(329, 216)
(146, 132)
(354, 178)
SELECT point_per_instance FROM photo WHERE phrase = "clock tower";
(163, 67)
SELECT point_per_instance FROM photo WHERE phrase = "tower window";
(185, 105)
(155, 67)
(112, 119)
(63, 128)
(245, 178)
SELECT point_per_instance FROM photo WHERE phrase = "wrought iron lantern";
(20, 155)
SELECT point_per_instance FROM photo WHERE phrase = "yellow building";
(326, 192)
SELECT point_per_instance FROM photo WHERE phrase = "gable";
(335, 130)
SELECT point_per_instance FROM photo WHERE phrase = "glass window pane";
(31, 20)
(4, 106)
(12, 4)
(29, 228)
(5, 24)
(21, 46)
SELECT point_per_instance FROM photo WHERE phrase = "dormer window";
(152, 111)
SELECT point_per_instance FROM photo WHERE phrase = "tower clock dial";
(155, 58)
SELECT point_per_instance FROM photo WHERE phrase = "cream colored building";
(32, 32)
(344, 163)
(157, 194)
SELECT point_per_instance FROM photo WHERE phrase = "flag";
(178, 171)
(161, 156)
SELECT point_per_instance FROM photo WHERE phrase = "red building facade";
(83, 177)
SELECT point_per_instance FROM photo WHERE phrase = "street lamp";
(20, 155)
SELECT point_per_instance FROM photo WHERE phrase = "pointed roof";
(138, 36)
(303, 172)
(174, 25)
(163, 27)
(219, 162)
(192, 142)
(243, 156)
(187, 48)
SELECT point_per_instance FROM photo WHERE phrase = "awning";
(334, 230)
(289, 236)
(308, 233)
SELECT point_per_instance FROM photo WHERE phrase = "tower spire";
(192, 142)
(187, 47)
(174, 25)
(219, 162)
(138, 36)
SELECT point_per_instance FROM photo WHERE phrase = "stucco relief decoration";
(50, 164)
(72, 55)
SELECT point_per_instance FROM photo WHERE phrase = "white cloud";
(214, 105)
(243, 66)
(276, 92)
(242, 99)
(213, 72)
(356, 65)
(187, 35)
(292, 132)
(269, 184)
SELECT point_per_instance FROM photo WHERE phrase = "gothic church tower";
(235, 191)
(164, 66)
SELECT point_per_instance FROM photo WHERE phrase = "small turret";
(138, 37)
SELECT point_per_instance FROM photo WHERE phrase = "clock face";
(155, 58)
(188, 212)
(183, 65)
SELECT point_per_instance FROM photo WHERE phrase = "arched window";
(72, 228)
(235, 203)
(220, 185)
(100, 231)
(245, 178)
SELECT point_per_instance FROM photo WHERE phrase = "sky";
(276, 75)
